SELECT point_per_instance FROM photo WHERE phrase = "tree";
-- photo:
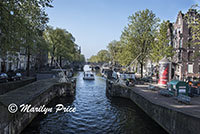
(93, 59)
(82, 58)
(194, 24)
(114, 50)
(21, 22)
(62, 46)
(103, 56)
(161, 47)
(139, 35)
(193, 20)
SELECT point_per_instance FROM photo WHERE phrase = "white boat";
(88, 75)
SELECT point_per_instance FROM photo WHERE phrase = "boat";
(88, 75)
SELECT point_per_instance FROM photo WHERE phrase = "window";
(180, 56)
(190, 68)
(180, 43)
(199, 68)
(189, 56)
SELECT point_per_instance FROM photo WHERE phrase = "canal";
(95, 114)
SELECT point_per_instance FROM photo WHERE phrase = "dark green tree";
(21, 22)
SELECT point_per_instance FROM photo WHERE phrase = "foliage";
(62, 45)
(161, 47)
(124, 55)
(114, 48)
(139, 35)
(93, 59)
(102, 56)
(82, 58)
(21, 23)
(194, 24)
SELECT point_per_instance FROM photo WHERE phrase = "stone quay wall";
(172, 120)
(35, 94)
(7, 87)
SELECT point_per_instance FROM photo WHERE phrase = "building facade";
(18, 61)
(185, 63)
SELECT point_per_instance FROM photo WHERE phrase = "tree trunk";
(3, 66)
(60, 61)
(157, 73)
(28, 62)
(57, 61)
(141, 67)
(52, 60)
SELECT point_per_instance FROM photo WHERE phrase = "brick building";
(185, 63)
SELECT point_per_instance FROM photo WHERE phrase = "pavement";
(26, 93)
(152, 95)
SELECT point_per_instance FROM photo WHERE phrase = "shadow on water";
(136, 120)
(95, 114)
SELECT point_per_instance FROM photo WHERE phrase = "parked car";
(3, 77)
(12, 76)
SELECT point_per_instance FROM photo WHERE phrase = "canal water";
(95, 114)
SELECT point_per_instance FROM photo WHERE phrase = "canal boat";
(88, 75)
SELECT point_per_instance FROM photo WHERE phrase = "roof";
(174, 82)
(88, 72)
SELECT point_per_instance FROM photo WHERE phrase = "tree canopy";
(61, 45)
(161, 47)
(23, 24)
(114, 48)
(194, 24)
(101, 57)
(138, 37)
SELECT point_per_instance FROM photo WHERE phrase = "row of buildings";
(38, 60)
(18, 61)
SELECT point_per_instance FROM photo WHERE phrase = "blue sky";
(95, 23)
